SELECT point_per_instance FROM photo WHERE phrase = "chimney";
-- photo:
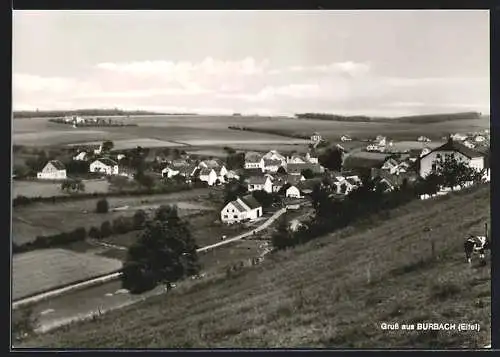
(450, 139)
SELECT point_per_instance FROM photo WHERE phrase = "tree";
(106, 229)
(72, 185)
(94, 233)
(139, 219)
(102, 206)
(264, 198)
(233, 190)
(307, 173)
(455, 172)
(144, 180)
(235, 160)
(282, 238)
(331, 158)
(107, 146)
(164, 253)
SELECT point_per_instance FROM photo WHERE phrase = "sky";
(387, 63)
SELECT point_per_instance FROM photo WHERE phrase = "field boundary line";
(117, 275)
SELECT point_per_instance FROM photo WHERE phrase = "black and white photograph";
(250, 179)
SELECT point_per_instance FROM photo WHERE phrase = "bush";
(139, 220)
(102, 206)
(106, 229)
(94, 233)
(122, 225)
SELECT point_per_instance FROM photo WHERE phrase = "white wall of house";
(80, 156)
(98, 166)
(50, 172)
(210, 178)
(169, 172)
(293, 192)
(427, 162)
(230, 214)
(266, 186)
(254, 165)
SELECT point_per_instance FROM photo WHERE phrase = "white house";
(423, 139)
(316, 137)
(296, 159)
(257, 183)
(311, 159)
(374, 147)
(275, 156)
(232, 175)
(208, 175)
(469, 144)
(120, 157)
(253, 161)
(169, 172)
(81, 156)
(458, 137)
(293, 192)
(462, 153)
(479, 139)
(425, 151)
(104, 165)
(270, 165)
(344, 185)
(53, 170)
(98, 150)
(245, 208)
(221, 173)
(345, 138)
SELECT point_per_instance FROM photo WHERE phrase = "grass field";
(35, 188)
(47, 218)
(212, 130)
(42, 270)
(332, 292)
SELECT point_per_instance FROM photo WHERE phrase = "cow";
(475, 244)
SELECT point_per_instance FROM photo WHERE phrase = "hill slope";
(332, 292)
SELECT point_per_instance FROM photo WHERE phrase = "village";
(289, 176)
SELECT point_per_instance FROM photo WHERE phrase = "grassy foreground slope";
(332, 292)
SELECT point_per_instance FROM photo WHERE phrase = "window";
(235, 217)
(225, 216)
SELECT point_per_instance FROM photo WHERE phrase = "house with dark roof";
(241, 209)
(296, 169)
(271, 165)
(253, 160)
(460, 152)
(207, 175)
(104, 165)
(257, 183)
(53, 170)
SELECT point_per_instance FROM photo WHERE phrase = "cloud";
(249, 85)
(31, 83)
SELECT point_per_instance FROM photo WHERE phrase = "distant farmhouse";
(53, 170)
(104, 165)
(81, 156)
(316, 138)
(241, 209)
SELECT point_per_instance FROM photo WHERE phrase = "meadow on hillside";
(334, 291)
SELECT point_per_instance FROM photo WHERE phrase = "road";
(83, 303)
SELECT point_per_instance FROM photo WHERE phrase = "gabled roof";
(238, 206)
(57, 164)
(107, 161)
(252, 172)
(257, 180)
(250, 201)
(205, 172)
(452, 145)
(253, 157)
(269, 162)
